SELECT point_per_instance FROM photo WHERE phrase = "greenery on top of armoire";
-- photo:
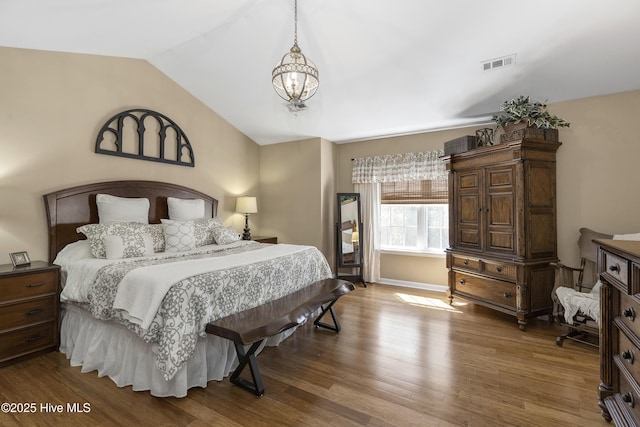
(534, 114)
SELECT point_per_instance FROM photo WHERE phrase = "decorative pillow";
(156, 231)
(128, 246)
(96, 234)
(122, 209)
(185, 209)
(225, 235)
(203, 230)
(179, 236)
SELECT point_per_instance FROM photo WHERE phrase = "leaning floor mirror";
(349, 237)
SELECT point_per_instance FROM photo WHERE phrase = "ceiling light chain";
(295, 22)
(295, 78)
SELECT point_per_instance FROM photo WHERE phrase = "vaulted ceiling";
(386, 67)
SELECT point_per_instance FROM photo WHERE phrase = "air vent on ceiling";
(495, 63)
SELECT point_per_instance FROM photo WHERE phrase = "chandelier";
(295, 77)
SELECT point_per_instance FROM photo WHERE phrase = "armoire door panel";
(500, 177)
(501, 241)
(501, 210)
(541, 240)
(469, 180)
(541, 186)
(469, 238)
(469, 212)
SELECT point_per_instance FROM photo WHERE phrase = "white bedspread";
(142, 290)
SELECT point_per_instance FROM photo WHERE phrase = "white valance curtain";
(423, 165)
(368, 173)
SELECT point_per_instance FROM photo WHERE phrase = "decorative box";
(460, 145)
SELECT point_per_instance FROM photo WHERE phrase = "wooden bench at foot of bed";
(253, 326)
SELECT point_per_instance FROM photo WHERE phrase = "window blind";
(414, 192)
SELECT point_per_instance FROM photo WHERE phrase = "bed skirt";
(114, 351)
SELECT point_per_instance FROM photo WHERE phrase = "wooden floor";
(404, 357)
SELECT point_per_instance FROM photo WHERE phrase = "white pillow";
(128, 246)
(73, 252)
(225, 235)
(179, 236)
(185, 209)
(634, 236)
(122, 209)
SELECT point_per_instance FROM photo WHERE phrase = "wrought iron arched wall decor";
(117, 126)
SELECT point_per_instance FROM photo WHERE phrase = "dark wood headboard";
(73, 207)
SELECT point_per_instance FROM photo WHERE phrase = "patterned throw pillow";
(129, 246)
(179, 236)
(225, 235)
(156, 231)
(203, 230)
(96, 234)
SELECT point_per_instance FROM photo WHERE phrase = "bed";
(139, 317)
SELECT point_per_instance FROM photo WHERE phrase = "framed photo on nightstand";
(19, 258)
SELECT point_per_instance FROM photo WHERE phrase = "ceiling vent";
(496, 63)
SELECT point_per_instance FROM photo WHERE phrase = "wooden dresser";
(502, 227)
(619, 390)
(28, 310)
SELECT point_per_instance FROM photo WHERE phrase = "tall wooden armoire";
(502, 227)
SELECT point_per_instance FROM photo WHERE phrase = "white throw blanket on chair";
(573, 302)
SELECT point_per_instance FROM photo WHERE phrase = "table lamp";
(246, 205)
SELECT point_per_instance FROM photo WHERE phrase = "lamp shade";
(246, 205)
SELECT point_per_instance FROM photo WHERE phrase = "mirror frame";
(340, 224)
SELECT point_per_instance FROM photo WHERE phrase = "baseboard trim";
(415, 285)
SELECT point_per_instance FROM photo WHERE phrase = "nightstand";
(28, 310)
(265, 239)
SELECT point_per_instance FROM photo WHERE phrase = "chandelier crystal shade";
(295, 77)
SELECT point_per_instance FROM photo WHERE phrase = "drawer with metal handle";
(465, 263)
(28, 285)
(628, 398)
(628, 352)
(497, 291)
(500, 270)
(616, 270)
(629, 313)
(26, 340)
(27, 312)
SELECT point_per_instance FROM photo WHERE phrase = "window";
(414, 227)
(414, 216)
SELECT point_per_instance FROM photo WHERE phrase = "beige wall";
(297, 182)
(597, 165)
(51, 108)
(596, 178)
(329, 188)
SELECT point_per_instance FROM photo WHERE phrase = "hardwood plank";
(403, 357)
